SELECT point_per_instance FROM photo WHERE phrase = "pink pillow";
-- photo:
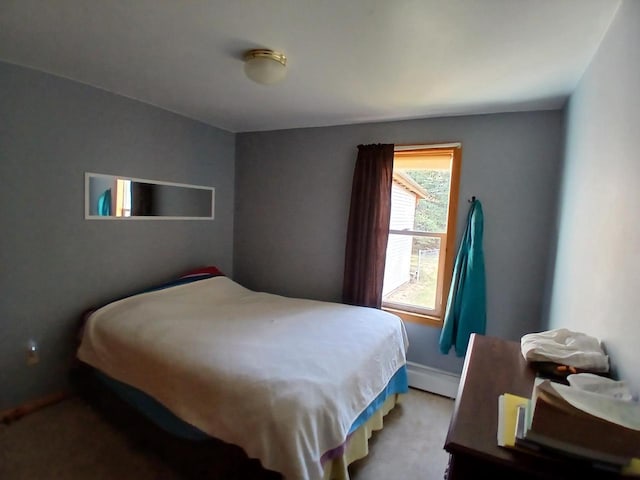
(215, 271)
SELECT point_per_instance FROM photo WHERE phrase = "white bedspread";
(282, 378)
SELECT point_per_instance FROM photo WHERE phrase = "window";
(420, 249)
(123, 198)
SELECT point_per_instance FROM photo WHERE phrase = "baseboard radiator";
(433, 380)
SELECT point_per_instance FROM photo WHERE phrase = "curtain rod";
(402, 148)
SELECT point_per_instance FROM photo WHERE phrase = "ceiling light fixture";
(265, 66)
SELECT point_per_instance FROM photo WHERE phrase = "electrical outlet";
(32, 353)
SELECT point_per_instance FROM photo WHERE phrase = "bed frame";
(194, 455)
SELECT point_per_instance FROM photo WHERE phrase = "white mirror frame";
(87, 205)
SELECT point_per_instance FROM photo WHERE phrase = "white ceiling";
(349, 61)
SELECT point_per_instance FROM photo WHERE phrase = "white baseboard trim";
(433, 380)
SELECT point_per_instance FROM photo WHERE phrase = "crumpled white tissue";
(591, 382)
(566, 347)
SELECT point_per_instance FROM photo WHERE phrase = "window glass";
(416, 259)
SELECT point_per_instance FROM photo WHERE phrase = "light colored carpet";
(73, 441)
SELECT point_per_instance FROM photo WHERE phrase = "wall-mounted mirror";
(115, 197)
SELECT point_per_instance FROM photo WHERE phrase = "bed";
(297, 384)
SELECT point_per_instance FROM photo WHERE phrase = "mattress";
(297, 374)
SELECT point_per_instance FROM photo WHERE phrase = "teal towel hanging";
(466, 310)
(104, 204)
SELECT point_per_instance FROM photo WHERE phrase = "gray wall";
(597, 278)
(292, 204)
(55, 264)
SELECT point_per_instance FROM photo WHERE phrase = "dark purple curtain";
(368, 228)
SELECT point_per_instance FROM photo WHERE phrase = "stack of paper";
(575, 423)
(508, 404)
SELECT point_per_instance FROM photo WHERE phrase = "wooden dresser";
(494, 366)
